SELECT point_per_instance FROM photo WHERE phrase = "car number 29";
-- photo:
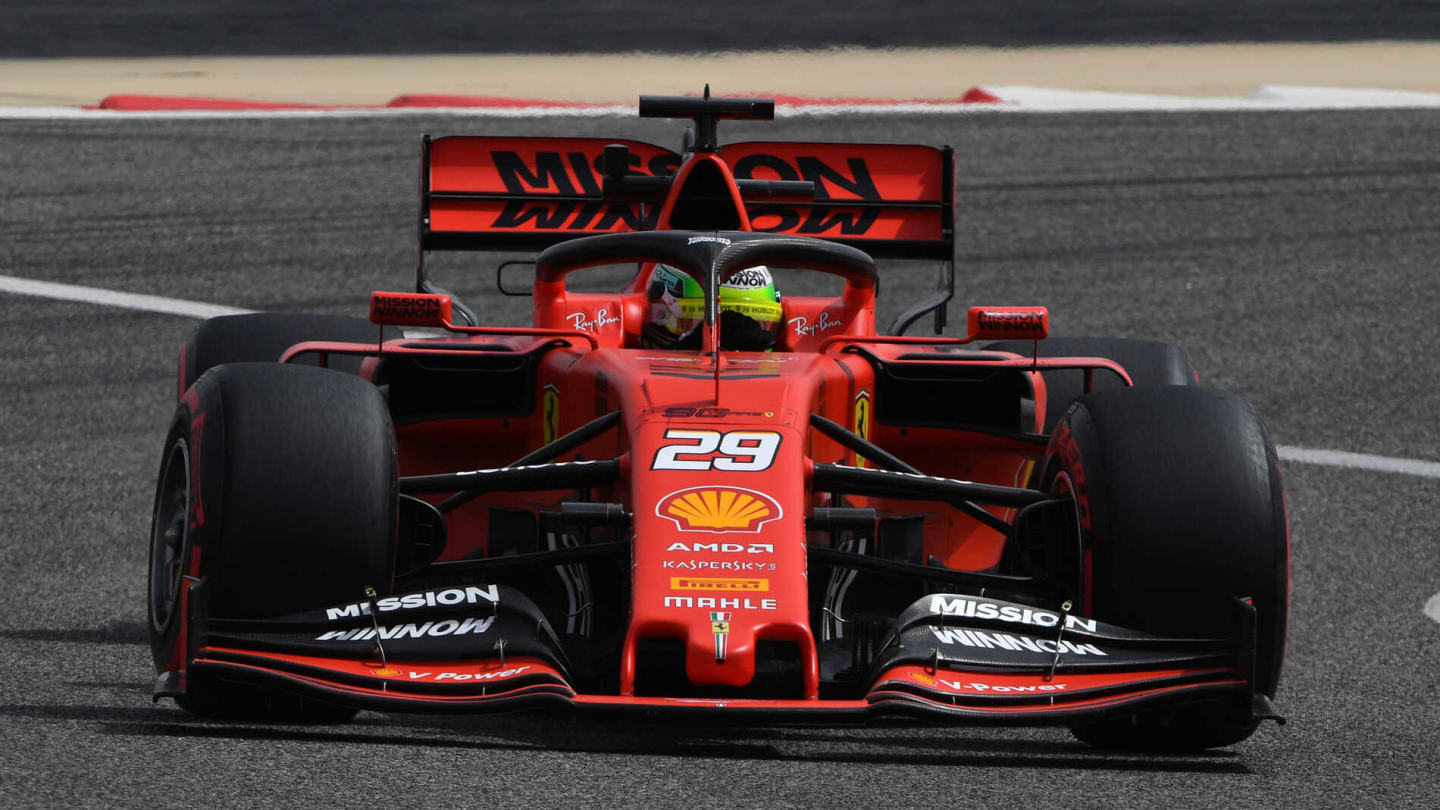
(732, 451)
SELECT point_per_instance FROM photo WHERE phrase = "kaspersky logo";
(719, 510)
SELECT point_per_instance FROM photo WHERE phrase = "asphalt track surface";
(1293, 254)
(83, 28)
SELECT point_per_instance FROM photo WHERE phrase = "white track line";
(200, 309)
(1360, 461)
(110, 298)
(1432, 608)
(1265, 97)
(1013, 99)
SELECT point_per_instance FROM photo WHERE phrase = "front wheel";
(1182, 510)
(277, 488)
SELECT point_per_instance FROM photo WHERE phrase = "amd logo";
(723, 548)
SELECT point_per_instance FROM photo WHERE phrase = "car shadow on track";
(153, 721)
(117, 632)
(897, 745)
(923, 746)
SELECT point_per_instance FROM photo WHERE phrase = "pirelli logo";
(730, 584)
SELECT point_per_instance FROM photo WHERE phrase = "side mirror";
(1002, 323)
(410, 309)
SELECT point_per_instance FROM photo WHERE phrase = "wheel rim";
(168, 534)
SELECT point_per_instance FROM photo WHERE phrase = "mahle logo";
(719, 509)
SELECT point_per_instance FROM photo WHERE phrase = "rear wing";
(500, 193)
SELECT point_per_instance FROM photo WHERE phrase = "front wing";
(950, 659)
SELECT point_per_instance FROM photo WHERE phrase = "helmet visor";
(750, 310)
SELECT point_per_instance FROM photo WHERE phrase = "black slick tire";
(1182, 510)
(278, 490)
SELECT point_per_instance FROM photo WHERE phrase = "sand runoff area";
(918, 73)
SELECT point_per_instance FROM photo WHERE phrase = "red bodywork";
(716, 463)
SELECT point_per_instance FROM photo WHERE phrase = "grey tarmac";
(1292, 254)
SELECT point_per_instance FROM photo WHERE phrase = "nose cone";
(719, 557)
(719, 652)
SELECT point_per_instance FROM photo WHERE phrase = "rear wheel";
(1182, 510)
(261, 337)
(1148, 362)
(278, 489)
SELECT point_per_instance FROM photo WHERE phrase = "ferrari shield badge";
(720, 626)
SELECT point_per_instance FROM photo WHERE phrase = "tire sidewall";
(1064, 470)
(198, 422)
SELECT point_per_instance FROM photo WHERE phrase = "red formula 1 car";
(841, 527)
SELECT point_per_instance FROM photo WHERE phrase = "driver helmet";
(750, 311)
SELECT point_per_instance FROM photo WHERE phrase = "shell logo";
(719, 509)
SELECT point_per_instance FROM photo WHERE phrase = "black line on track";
(80, 28)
